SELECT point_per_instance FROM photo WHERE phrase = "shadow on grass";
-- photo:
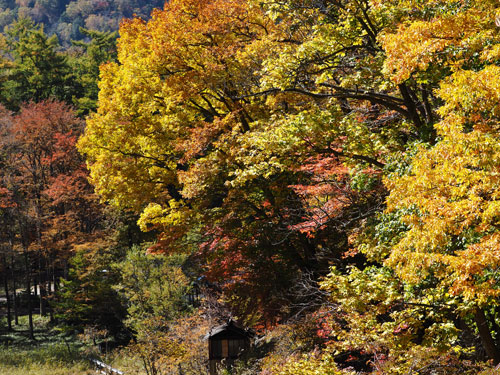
(46, 354)
(52, 347)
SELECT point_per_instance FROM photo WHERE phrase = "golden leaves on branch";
(449, 39)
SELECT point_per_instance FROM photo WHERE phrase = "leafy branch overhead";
(273, 129)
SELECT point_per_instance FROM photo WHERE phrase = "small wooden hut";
(226, 343)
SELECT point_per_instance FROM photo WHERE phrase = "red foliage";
(49, 175)
(6, 200)
(326, 194)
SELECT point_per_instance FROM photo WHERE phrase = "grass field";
(53, 353)
(41, 360)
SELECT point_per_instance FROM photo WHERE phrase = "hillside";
(64, 17)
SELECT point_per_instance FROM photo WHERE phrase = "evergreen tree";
(33, 69)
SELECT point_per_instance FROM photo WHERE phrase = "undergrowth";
(52, 353)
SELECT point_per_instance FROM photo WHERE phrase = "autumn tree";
(263, 137)
(437, 236)
(55, 206)
(6, 248)
(195, 130)
(448, 197)
(195, 144)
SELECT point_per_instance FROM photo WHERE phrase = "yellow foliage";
(311, 364)
(451, 37)
(166, 101)
(452, 193)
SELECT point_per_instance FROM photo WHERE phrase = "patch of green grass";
(126, 361)
(52, 353)
(55, 352)
(43, 360)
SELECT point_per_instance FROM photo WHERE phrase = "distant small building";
(226, 343)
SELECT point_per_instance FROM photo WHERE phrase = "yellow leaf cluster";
(453, 192)
(312, 364)
(450, 37)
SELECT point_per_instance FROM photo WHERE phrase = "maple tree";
(184, 136)
(176, 168)
(437, 235)
(274, 139)
(53, 207)
(448, 198)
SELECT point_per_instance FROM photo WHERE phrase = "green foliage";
(153, 285)
(37, 70)
(99, 50)
(270, 140)
(87, 297)
(168, 330)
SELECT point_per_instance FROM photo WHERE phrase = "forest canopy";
(326, 171)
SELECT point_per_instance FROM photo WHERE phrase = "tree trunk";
(54, 278)
(40, 255)
(28, 289)
(35, 286)
(41, 285)
(7, 294)
(485, 335)
(14, 287)
(49, 287)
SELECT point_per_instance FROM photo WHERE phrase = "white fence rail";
(105, 369)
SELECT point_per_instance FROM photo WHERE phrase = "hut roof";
(231, 327)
